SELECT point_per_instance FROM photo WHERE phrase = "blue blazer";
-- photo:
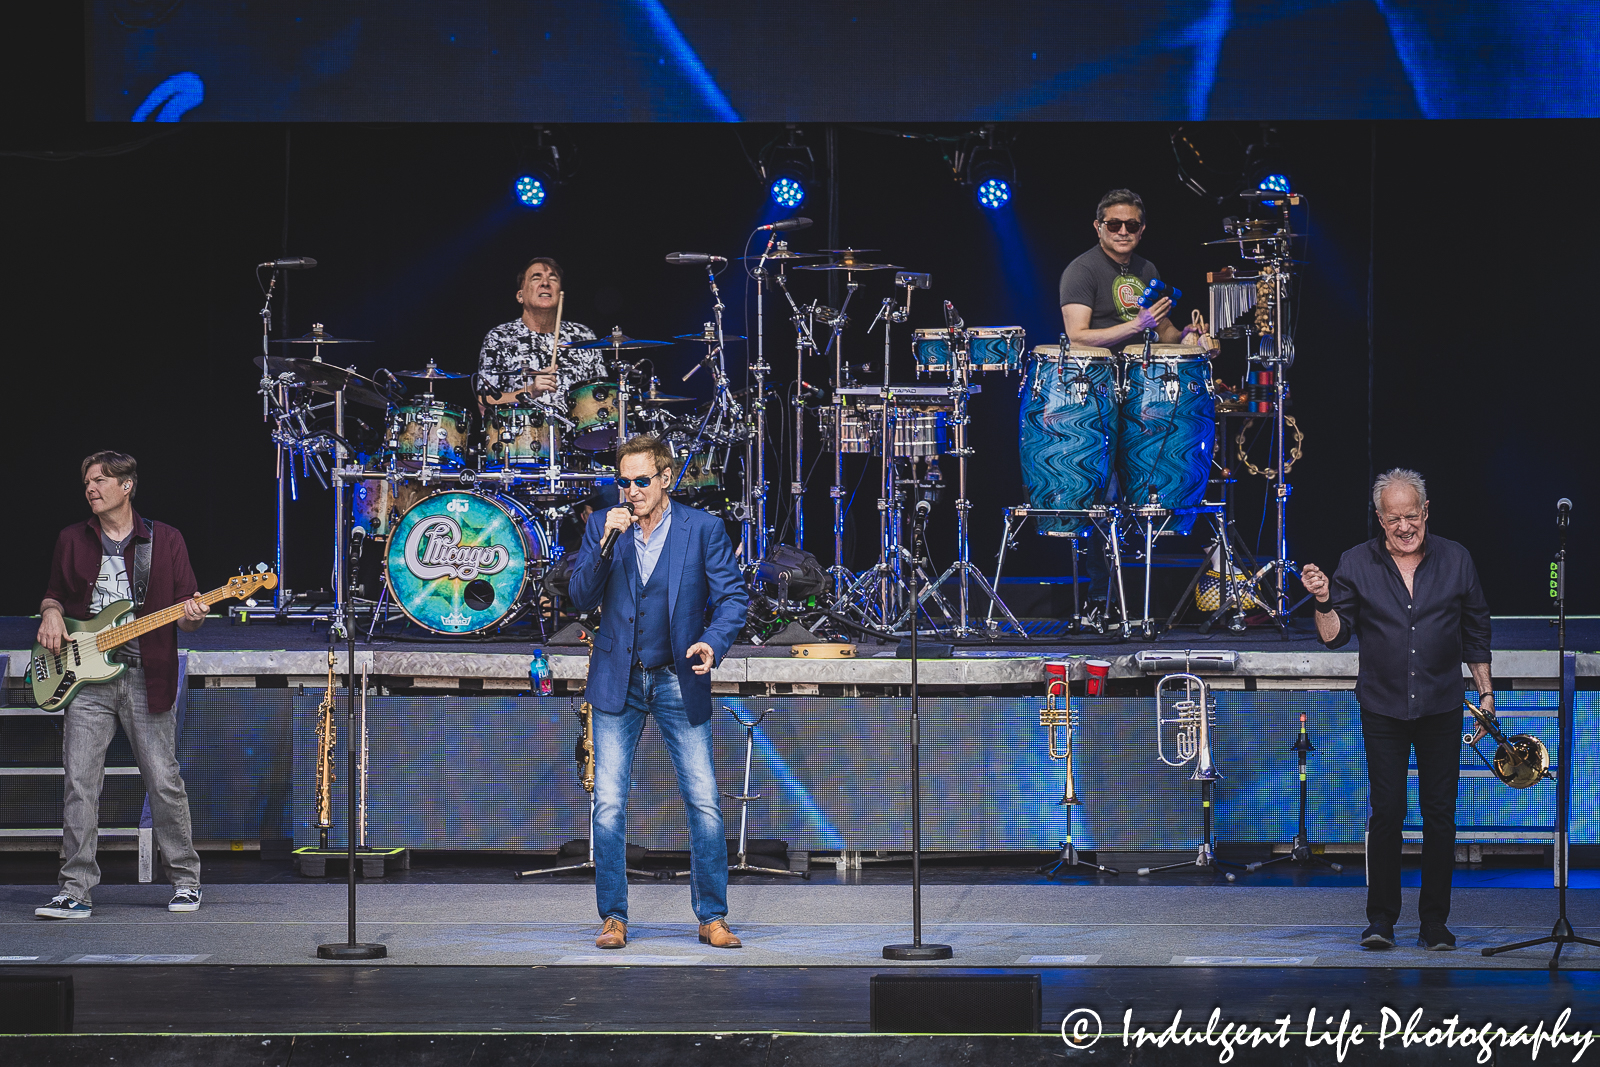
(706, 602)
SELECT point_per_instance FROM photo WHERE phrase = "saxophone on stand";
(583, 752)
(326, 731)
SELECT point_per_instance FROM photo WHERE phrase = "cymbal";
(618, 340)
(431, 373)
(662, 398)
(707, 338)
(780, 256)
(331, 378)
(847, 251)
(847, 261)
(318, 337)
(1254, 237)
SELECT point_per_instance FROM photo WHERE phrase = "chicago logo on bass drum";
(434, 550)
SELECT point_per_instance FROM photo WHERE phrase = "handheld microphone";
(1563, 511)
(289, 263)
(692, 259)
(798, 223)
(609, 543)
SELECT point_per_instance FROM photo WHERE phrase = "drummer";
(515, 361)
(1100, 289)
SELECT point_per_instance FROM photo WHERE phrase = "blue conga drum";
(1169, 427)
(1069, 429)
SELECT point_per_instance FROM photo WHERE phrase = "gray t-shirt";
(1108, 289)
(112, 583)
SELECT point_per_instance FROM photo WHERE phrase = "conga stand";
(1561, 934)
(916, 950)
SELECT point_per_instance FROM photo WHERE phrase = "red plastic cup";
(1094, 676)
(1055, 678)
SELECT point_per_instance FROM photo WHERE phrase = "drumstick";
(555, 343)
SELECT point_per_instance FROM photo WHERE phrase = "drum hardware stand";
(1561, 934)
(1300, 852)
(916, 950)
(742, 864)
(839, 572)
(1226, 548)
(804, 341)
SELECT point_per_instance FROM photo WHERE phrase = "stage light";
(985, 163)
(993, 192)
(1274, 183)
(787, 167)
(788, 193)
(531, 192)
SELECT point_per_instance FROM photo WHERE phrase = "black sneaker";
(185, 898)
(1378, 935)
(63, 906)
(1436, 937)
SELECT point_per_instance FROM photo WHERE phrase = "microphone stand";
(916, 950)
(1561, 934)
(349, 949)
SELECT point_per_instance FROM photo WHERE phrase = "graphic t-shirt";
(1110, 290)
(511, 352)
(112, 584)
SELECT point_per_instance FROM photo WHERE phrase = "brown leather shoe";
(614, 934)
(716, 934)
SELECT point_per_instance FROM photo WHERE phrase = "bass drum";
(1169, 428)
(1069, 427)
(460, 563)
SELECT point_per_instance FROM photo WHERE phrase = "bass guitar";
(83, 659)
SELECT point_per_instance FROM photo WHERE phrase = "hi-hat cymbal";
(618, 340)
(431, 373)
(708, 339)
(847, 261)
(662, 398)
(318, 336)
(783, 254)
(847, 251)
(1254, 238)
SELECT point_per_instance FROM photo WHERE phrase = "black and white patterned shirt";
(511, 353)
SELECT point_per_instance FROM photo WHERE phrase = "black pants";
(1437, 739)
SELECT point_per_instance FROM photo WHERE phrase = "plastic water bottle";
(539, 675)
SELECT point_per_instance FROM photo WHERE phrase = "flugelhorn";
(1520, 760)
(1193, 718)
(1055, 717)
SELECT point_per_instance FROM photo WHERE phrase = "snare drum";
(428, 433)
(916, 433)
(856, 427)
(462, 562)
(592, 407)
(1068, 431)
(518, 437)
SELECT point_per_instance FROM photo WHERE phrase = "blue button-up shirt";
(647, 552)
(1412, 643)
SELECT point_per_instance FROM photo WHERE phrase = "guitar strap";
(141, 565)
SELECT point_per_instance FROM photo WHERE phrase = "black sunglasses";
(642, 483)
(1115, 225)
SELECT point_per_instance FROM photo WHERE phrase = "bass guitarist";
(119, 555)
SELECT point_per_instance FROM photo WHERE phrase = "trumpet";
(1520, 760)
(1055, 717)
(1194, 716)
(325, 737)
(583, 751)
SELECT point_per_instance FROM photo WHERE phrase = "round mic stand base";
(345, 951)
(916, 953)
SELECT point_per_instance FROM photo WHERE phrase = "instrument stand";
(588, 864)
(742, 864)
(916, 950)
(1561, 934)
(1300, 851)
(804, 341)
(1069, 856)
(341, 626)
(1205, 853)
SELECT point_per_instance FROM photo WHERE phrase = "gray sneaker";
(62, 906)
(186, 898)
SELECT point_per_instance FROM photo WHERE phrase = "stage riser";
(484, 772)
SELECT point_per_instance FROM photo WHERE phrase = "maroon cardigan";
(75, 566)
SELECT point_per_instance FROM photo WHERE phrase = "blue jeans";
(616, 738)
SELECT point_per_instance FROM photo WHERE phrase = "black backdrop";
(130, 303)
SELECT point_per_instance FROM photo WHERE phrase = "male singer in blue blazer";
(673, 602)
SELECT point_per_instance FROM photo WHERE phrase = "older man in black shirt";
(1414, 601)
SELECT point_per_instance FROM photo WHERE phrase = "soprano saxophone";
(583, 751)
(325, 739)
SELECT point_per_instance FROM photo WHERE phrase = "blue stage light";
(530, 191)
(994, 192)
(1275, 183)
(788, 192)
